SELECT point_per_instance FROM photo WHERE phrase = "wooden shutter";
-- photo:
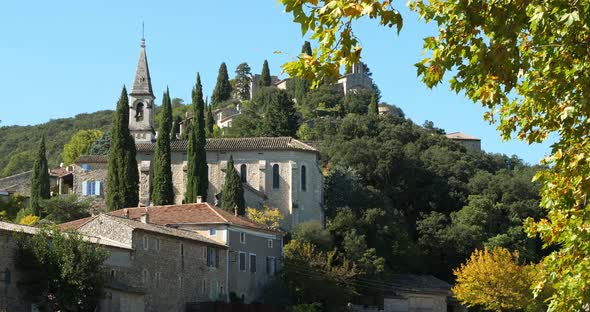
(84, 188)
(97, 188)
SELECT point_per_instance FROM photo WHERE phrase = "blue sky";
(62, 58)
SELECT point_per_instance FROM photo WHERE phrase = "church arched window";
(243, 172)
(275, 176)
(139, 112)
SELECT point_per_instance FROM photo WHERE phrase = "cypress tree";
(197, 171)
(123, 174)
(242, 82)
(232, 195)
(162, 192)
(209, 121)
(39, 178)
(279, 118)
(265, 80)
(373, 107)
(306, 48)
(222, 91)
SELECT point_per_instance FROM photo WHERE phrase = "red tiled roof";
(201, 213)
(76, 224)
(59, 172)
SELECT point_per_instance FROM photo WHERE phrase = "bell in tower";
(141, 102)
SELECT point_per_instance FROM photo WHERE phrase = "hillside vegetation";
(17, 143)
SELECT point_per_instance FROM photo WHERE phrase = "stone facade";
(357, 79)
(254, 257)
(298, 203)
(10, 297)
(468, 141)
(158, 272)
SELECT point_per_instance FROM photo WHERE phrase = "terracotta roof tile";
(238, 144)
(199, 213)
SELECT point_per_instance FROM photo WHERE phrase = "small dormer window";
(139, 112)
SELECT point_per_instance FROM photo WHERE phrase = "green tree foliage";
(39, 178)
(314, 233)
(232, 196)
(79, 144)
(162, 192)
(209, 122)
(123, 174)
(19, 162)
(101, 145)
(265, 78)
(11, 206)
(530, 75)
(270, 113)
(242, 82)
(373, 106)
(326, 100)
(314, 276)
(222, 91)
(298, 87)
(59, 270)
(64, 208)
(197, 170)
(357, 101)
(331, 25)
(399, 189)
(17, 150)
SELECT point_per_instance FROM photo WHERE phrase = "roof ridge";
(217, 213)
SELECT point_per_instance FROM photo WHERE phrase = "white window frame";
(240, 261)
(242, 237)
(146, 242)
(270, 244)
(212, 232)
(250, 263)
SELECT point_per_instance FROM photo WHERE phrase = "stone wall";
(170, 271)
(296, 204)
(10, 298)
(95, 172)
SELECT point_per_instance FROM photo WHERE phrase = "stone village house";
(157, 268)
(254, 252)
(149, 267)
(280, 172)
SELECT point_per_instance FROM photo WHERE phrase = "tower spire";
(142, 85)
(142, 35)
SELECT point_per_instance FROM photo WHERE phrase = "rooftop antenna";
(142, 35)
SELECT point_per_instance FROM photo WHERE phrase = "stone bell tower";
(141, 102)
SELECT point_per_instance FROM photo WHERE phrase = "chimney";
(199, 199)
(145, 218)
(126, 213)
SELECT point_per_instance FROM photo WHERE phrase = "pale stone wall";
(355, 81)
(296, 204)
(470, 144)
(10, 298)
(413, 302)
(180, 264)
(141, 129)
(95, 172)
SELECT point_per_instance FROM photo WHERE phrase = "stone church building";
(280, 172)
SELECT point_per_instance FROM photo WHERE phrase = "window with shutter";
(243, 261)
(97, 188)
(252, 263)
(275, 176)
(84, 188)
